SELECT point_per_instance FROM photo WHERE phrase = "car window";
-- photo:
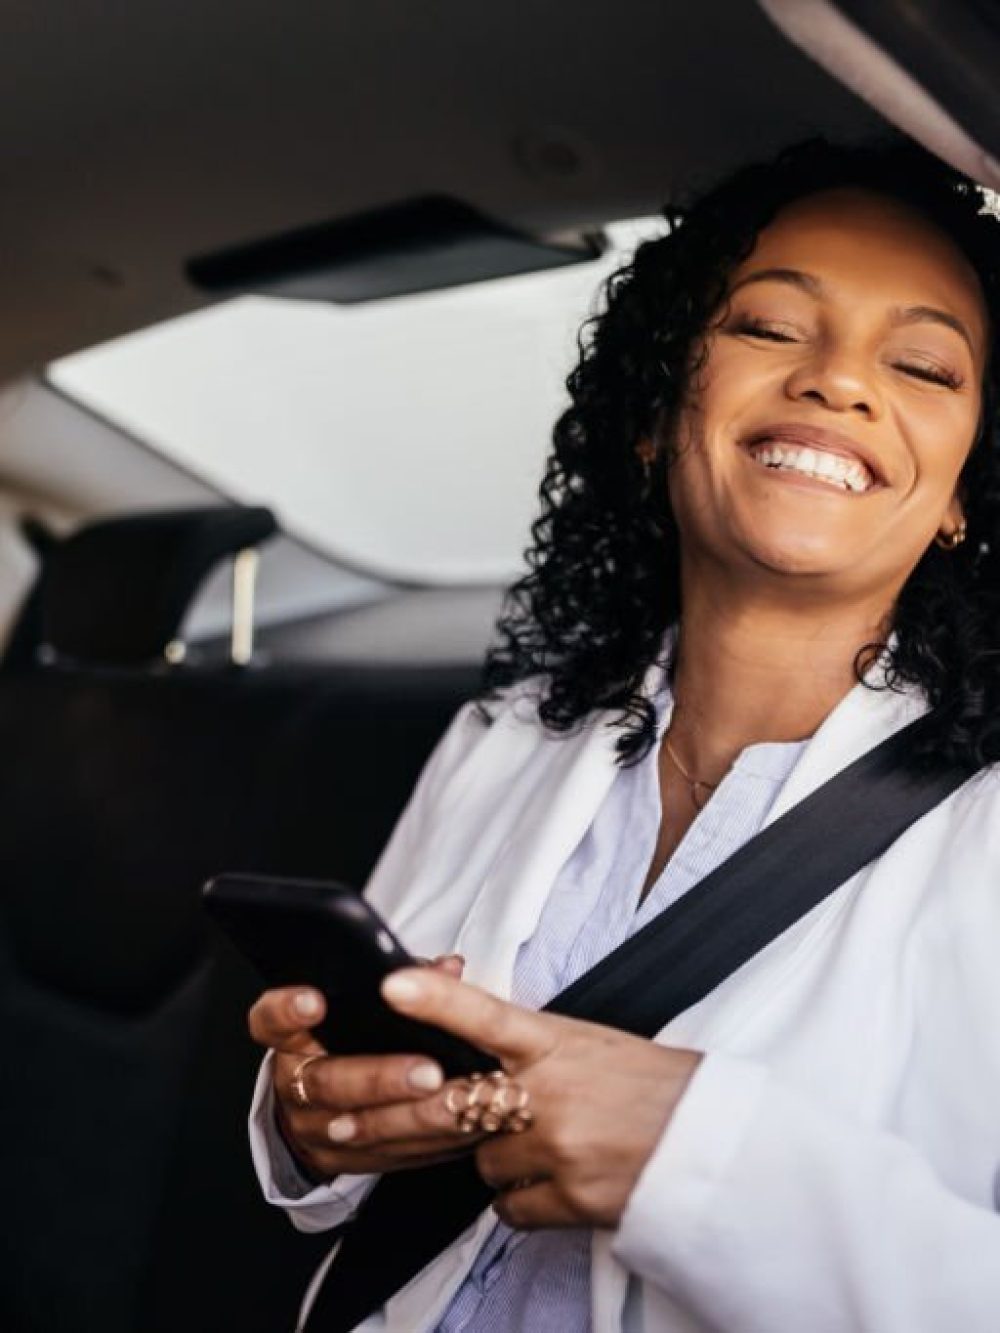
(405, 436)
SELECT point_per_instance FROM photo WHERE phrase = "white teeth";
(845, 473)
(804, 461)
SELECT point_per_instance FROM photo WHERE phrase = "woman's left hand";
(600, 1100)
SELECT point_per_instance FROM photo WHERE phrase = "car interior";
(196, 676)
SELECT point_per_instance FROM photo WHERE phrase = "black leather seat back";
(129, 1201)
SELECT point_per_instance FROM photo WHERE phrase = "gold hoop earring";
(953, 539)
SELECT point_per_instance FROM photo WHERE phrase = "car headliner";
(135, 136)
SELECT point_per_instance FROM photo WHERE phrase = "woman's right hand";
(338, 1086)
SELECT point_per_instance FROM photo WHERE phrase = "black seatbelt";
(662, 970)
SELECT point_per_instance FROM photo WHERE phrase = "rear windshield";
(407, 436)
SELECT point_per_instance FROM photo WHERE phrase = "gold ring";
(470, 1115)
(299, 1095)
(504, 1112)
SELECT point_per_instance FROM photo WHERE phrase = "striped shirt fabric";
(539, 1282)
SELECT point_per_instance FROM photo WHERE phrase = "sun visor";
(929, 66)
(415, 246)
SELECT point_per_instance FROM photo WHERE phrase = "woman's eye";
(758, 328)
(930, 374)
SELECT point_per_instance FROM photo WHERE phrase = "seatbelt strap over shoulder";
(662, 970)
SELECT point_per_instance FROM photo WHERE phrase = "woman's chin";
(802, 557)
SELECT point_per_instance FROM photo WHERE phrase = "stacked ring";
(489, 1104)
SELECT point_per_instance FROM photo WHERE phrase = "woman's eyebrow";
(899, 315)
(920, 314)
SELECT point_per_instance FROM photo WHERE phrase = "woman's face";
(823, 436)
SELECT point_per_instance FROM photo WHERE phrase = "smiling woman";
(769, 541)
(848, 296)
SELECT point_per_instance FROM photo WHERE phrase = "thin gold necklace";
(692, 782)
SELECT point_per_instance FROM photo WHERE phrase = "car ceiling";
(135, 136)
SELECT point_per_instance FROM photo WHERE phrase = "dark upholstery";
(128, 1197)
(25, 636)
(116, 591)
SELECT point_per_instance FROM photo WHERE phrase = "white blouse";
(833, 1165)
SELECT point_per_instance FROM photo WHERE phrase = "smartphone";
(323, 934)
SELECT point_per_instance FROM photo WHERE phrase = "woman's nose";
(840, 380)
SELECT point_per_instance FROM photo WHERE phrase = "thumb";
(452, 963)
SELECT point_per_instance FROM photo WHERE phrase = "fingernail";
(342, 1129)
(400, 987)
(426, 1078)
(307, 1003)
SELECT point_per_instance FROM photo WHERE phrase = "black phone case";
(324, 934)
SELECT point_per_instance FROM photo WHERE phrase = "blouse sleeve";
(310, 1207)
(762, 1210)
(391, 877)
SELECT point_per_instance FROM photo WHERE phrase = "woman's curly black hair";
(603, 585)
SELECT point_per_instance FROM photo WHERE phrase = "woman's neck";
(749, 673)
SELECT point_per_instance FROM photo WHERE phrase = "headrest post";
(244, 584)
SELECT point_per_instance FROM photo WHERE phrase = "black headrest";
(117, 590)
